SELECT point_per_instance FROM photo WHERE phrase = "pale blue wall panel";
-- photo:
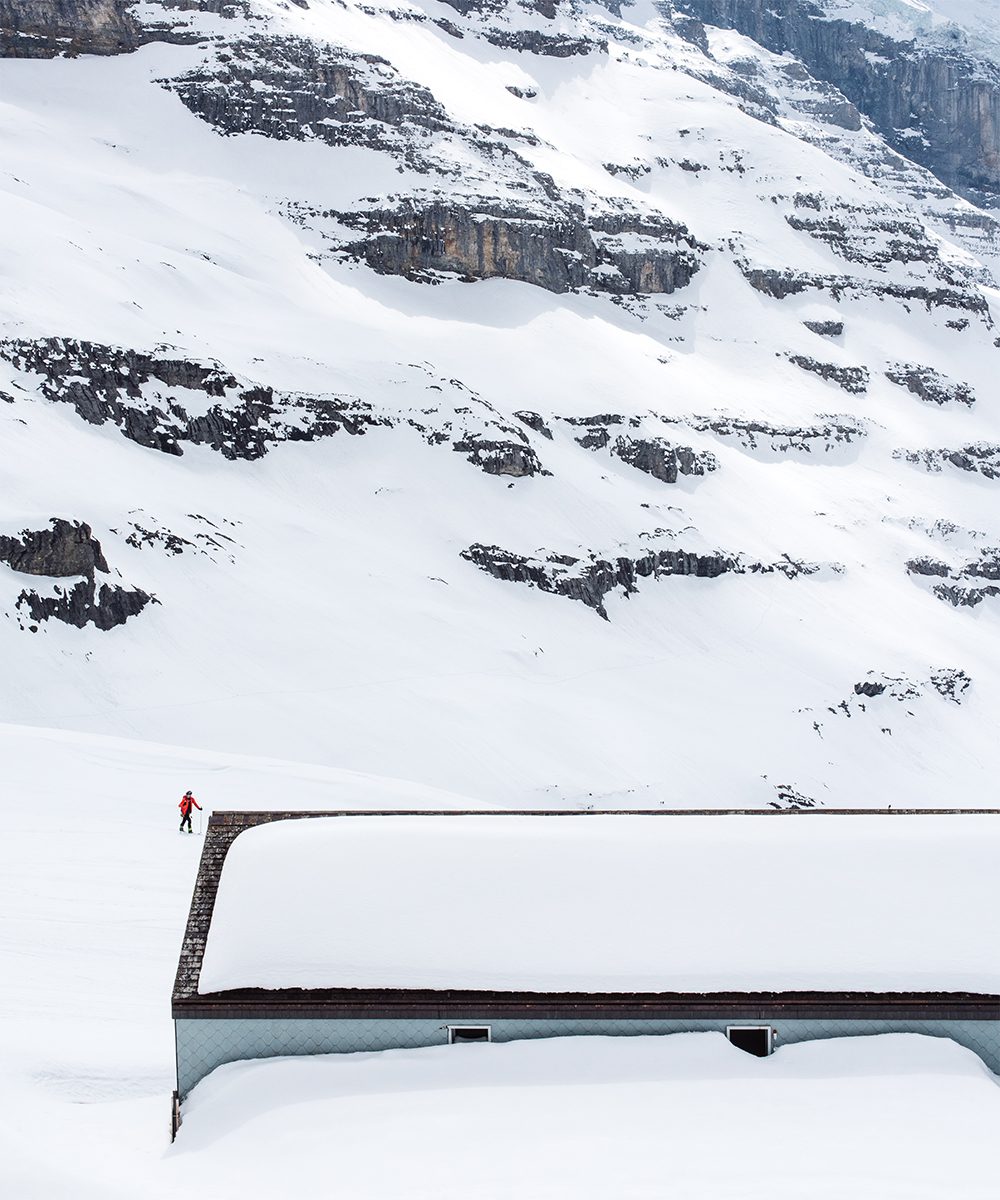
(204, 1044)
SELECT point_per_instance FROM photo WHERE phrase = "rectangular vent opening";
(469, 1033)
(754, 1039)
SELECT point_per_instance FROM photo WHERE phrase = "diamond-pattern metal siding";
(204, 1044)
(982, 1037)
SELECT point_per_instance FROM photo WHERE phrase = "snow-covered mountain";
(970, 23)
(552, 402)
(925, 74)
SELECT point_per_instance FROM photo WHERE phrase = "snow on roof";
(611, 904)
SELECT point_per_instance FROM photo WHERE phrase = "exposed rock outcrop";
(965, 597)
(930, 385)
(927, 566)
(661, 459)
(138, 392)
(534, 421)
(872, 235)
(534, 41)
(133, 390)
(207, 538)
(500, 458)
(966, 586)
(792, 797)
(46, 28)
(950, 683)
(825, 328)
(557, 255)
(639, 254)
(68, 549)
(982, 458)
(596, 429)
(292, 88)
(780, 284)
(851, 379)
(592, 578)
(86, 603)
(52, 28)
(556, 249)
(822, 438)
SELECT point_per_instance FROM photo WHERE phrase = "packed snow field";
(94, 887)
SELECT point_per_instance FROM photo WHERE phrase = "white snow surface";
(897, 1117)
(611, 903)
(95, 884)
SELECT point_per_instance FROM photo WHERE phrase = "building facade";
(247, 1022)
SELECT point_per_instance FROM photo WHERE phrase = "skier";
(187, 803)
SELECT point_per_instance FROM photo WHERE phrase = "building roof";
(368, 909)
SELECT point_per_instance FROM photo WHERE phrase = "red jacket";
(185, 804)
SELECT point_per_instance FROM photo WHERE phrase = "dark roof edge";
(250, 817)
(360, 1003)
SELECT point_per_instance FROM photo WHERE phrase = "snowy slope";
(781, 581)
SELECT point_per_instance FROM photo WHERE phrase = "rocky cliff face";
(45, 28)
(557, 251)
(938, 106)
(51, 28)
(66, 548)
(293, 88)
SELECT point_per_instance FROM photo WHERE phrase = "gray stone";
(500, 458)
(46, 28)
(662, 459)
(927, 566)
(930, 385)
(86, 603)
(851, 379)
(554, 248)
(67, 548)
(534, 421)
(982, 458)
(104, 384)
(292, 88)
(590, 580)
(825, 328)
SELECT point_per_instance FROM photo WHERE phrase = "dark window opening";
(469, 1033)
(754, 1039)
